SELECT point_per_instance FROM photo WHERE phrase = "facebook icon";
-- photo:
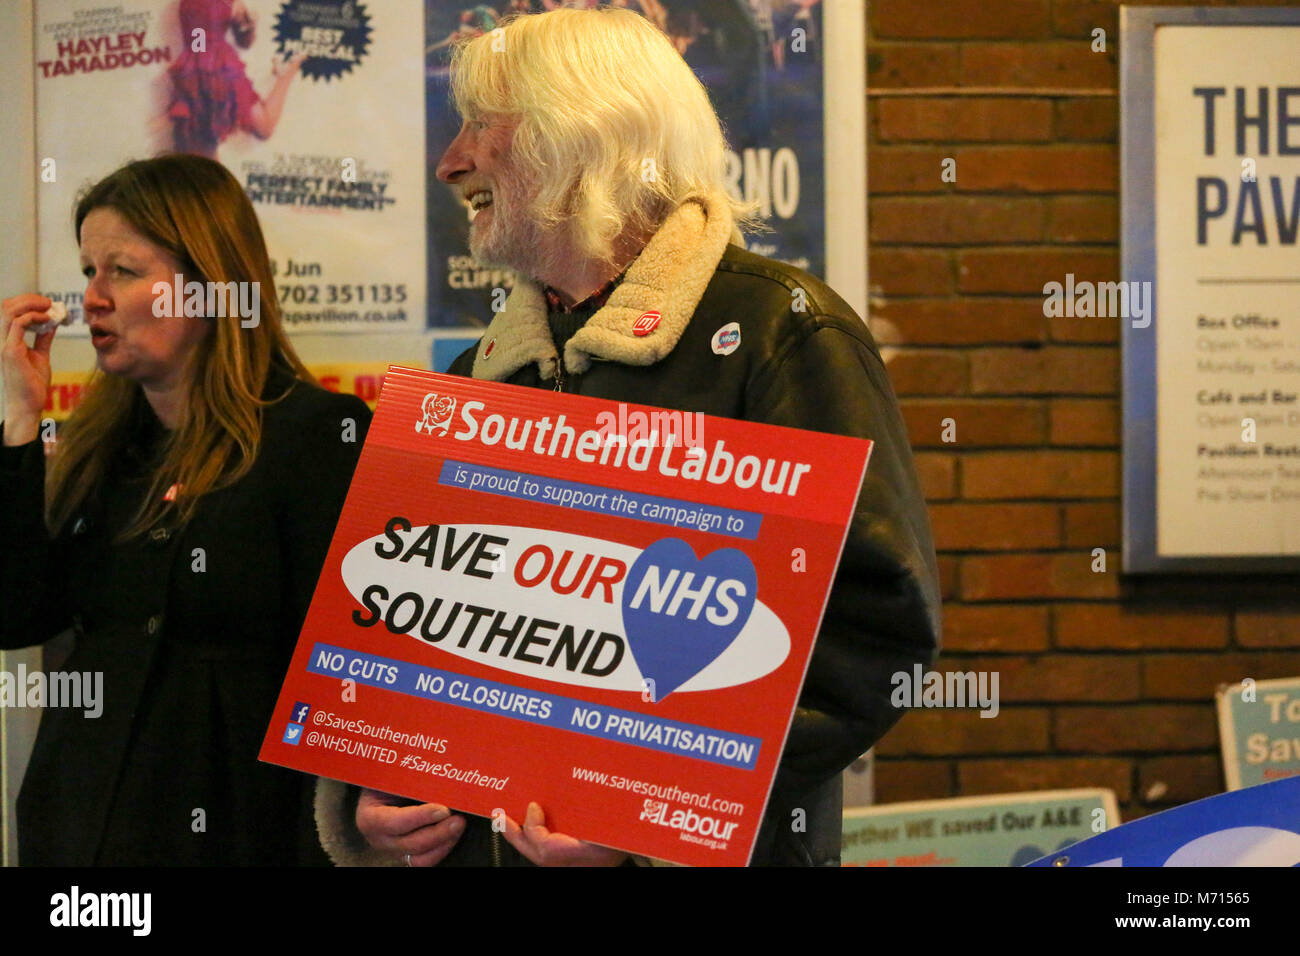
(300, 712)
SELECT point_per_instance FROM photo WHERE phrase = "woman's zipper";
(559, 374)
(496, 847)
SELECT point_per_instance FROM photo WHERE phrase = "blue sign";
(1258, 826)
(566, 713)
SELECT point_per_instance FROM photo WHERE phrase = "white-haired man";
(595, 161)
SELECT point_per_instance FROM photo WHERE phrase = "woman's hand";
(287, 67)
(545, 848)
(26, 370)
(421, 833)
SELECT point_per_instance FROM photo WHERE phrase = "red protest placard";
(607, 609)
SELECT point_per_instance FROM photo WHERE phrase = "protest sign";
(1007, 829)
(605, 608)
(1259, 731)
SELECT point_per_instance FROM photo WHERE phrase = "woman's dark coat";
(192, 630)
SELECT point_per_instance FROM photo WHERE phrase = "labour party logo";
(437, 411)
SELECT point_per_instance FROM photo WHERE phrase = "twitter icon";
(293, 734)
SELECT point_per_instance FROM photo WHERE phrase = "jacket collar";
(668, 277)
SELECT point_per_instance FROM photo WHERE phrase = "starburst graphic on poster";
(334, 34)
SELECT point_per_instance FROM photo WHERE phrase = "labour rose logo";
(437, 410)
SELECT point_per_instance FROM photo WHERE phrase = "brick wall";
(1104, 681)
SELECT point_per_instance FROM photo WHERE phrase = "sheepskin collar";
(668, 277)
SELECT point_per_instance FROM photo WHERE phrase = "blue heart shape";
(680, 612)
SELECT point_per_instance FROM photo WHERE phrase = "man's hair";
(613, 122)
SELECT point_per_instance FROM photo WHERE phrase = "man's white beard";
(508, 242)
(513, 240)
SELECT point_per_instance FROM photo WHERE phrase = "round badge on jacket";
(727, 339)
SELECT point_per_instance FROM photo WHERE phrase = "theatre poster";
(1211, 218)
(315, 106)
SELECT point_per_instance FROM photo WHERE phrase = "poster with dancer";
(761, 62)
(316, 107)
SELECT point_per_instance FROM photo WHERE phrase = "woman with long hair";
(178, 529)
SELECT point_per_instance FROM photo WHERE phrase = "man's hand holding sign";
(545, 848)
(423, 834)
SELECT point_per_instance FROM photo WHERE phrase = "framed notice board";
(1210, 167)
